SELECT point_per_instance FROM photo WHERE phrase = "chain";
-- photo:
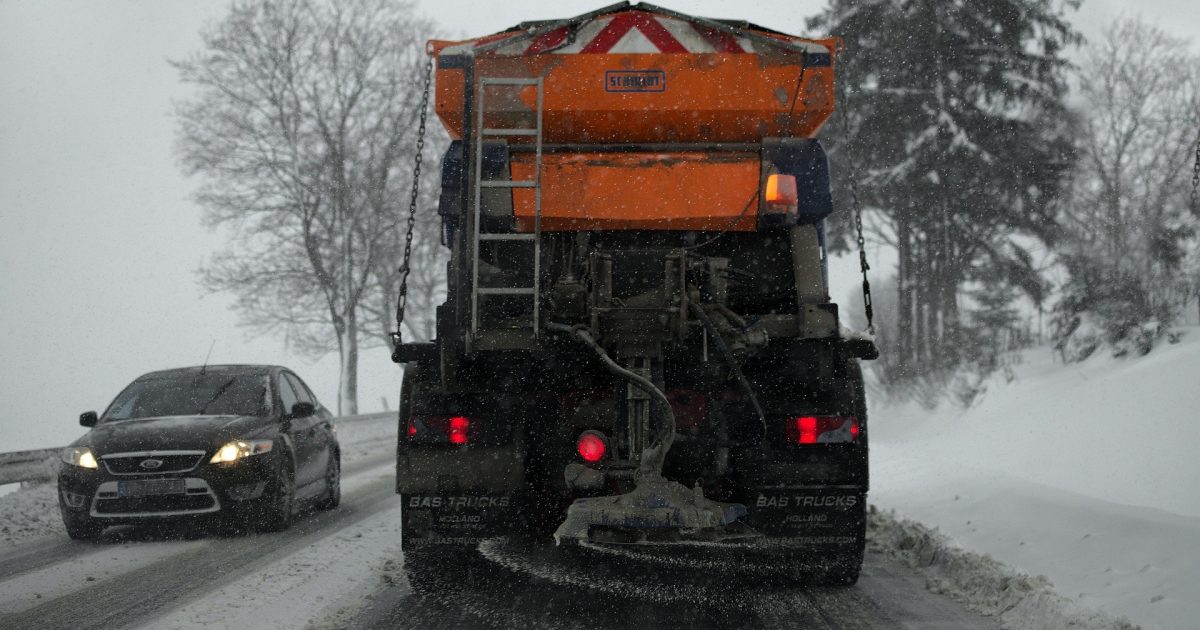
(1196, 179)
(868, 306)
(402, 297)
(858, 224)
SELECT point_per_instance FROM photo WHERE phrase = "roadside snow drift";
(1081, 473)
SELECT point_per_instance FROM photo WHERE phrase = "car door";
(300, 430)
(320, 432)
(324, 437)
(326, 431)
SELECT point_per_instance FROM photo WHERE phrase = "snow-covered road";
(536, 588)
(342, 569)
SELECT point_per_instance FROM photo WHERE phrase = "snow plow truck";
(637, 345)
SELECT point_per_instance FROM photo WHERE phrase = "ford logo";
(150, 464)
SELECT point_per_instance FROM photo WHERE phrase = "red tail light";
(591, 446)
(439, 429)
(459, 426)
(822, 429)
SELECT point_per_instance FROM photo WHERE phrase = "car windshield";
(195, 394)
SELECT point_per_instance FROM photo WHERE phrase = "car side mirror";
(88, 419)
(302, 410)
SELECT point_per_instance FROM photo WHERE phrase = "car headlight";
(80, 456)
(240, 449)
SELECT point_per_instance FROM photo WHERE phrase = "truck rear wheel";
(844, 568)
(442, 569)
(846, 575)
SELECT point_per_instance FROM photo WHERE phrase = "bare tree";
(427, 276)
(1128, 229)
(301, 128)
(1142, 98)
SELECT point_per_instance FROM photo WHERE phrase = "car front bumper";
(205, 489)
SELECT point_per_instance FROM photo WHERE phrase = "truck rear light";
(439, 429)
(781, 193)
(458, 428)
(822, 429)
(591, 446)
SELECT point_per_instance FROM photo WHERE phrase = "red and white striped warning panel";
(624, 31)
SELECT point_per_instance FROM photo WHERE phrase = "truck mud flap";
(456, 519)
(816, 519)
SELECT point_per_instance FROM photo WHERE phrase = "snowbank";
(1081, 473)
(980, 582)
(30, 512)
(362, 435)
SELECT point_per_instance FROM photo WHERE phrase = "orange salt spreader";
(650, 119)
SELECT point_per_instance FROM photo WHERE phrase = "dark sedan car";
(246, 442)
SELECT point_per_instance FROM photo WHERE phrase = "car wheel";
(82, 527)
(333, 484)
(280, 500)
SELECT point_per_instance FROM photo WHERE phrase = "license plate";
(150, 487)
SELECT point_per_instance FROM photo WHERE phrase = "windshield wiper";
(217, 395)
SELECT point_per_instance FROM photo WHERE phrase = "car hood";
(172, 433)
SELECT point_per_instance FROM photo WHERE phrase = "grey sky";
(98, 239)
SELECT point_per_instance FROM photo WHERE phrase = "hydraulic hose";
(653, 457)
(698, 311)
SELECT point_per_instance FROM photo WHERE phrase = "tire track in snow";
(190, 572)
(40, 553)
(185, 576)
(325, 581)
(59, 580)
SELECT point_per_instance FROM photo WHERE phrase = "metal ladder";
(535, 239)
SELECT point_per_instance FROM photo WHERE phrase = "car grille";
(195, 496)
(152, 504)
(171, 462)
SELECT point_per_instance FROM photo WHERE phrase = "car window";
(193, 394)
(287, 394)
(311, 395)
(302, 392)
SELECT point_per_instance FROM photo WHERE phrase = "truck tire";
(442, 569)
(844, 569)
(846, 575)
